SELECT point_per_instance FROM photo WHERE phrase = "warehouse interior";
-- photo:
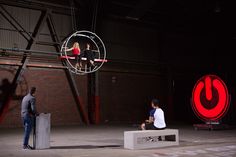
(154, 49)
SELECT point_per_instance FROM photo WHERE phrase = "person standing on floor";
(28, 113)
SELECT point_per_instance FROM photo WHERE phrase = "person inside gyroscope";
(76, 53)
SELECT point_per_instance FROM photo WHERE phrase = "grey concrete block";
(143, 139)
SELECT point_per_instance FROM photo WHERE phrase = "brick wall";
(53, 95)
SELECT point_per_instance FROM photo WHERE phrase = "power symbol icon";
(210, 98)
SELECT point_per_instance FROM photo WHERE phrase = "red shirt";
(76, 51)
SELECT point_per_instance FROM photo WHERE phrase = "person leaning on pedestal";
(28, 112)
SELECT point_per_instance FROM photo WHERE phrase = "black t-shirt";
(89, 54)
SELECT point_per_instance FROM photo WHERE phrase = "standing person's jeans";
(28, 122)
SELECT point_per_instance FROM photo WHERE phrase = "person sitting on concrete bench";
(156, 119)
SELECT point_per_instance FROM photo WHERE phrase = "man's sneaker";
(27, 147)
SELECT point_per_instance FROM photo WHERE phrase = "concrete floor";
(107, 141)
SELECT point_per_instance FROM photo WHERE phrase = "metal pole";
(93, 95)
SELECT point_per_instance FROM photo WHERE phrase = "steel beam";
(53, 32)
(34, 65)
(28, 51)
(14, 22)
(70, 78)
(93, 95)
(38, 28)
(46, 11)
(37, 5)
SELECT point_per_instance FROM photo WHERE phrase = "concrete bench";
(143, 139)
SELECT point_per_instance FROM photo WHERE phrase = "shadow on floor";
(85, 147)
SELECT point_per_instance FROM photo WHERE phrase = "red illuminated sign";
(210, 98)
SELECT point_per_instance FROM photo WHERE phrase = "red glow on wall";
(210, 99)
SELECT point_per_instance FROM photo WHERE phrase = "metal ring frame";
(101, 51)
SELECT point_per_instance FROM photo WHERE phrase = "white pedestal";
(42, 132)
